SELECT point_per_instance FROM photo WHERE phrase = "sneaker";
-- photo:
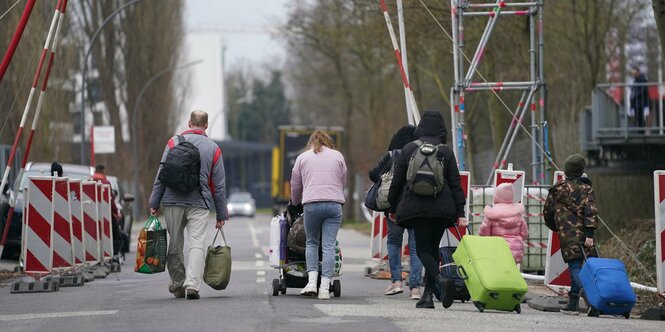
(567, 311)
(309, 290)
(415, 293)
(324, 294)
(395, 288)
(192, 294)
(177, 291)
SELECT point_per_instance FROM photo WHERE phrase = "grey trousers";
(179, 218)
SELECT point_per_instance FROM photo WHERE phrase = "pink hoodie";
(318, 177)
(506, 219)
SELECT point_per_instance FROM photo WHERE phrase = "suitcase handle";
(462, 272)
(584, 252)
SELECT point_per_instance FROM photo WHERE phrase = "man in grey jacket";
(190, 210)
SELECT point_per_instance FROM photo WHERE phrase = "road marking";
(57, 314)
(252, 231)
(258, 256)
(261, 273)
(260, 280)
(259, 263)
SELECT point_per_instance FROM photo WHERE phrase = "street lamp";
(135, 111)
(85, 71)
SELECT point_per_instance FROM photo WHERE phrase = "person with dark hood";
(428, 215)
(395, 232)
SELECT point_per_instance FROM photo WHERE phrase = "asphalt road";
(129, 301)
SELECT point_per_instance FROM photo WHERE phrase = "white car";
(241, 204)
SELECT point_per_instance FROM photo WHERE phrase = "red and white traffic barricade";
(76, 209)
(105, 221)
(451, 238)
(516, 178)
(90, 224)
(38, 237)
(378, 244)
(659, 202)
(63, 252)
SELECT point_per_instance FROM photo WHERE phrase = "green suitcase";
(489, 271)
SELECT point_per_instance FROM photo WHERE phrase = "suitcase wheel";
(593, 312)
(282, 286)
(518, 309)
(337, 288)
(480, 306)
(626, 315)
(276, 287)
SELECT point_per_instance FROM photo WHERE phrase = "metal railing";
(621, 110)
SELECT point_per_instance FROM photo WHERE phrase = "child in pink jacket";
(506, 219)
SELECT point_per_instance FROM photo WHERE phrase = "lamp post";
(135, 111)
(85, 71)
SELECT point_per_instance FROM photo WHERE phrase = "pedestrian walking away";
(570, 210)
(506, 219)
(639, 97)
(100, 176)
(318, 180)
(426, 195)
(187, 199)
(396, 232)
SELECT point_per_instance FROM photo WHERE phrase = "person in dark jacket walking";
(395, 232)
(429, 216)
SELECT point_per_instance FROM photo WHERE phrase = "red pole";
(17, 38)
(58, 18)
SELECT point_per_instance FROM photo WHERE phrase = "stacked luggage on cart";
(287, 253)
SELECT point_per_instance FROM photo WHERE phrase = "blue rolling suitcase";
(606, 288)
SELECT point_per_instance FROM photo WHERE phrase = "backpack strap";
(418, 142)
(181, 139)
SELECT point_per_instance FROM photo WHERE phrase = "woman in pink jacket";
(317, 181)
(506, 219)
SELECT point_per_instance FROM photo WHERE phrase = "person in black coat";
(639, 96)
(402, 137)
(429, 216)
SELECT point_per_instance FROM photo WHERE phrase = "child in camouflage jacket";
(570, 211)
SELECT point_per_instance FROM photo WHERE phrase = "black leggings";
(428, 236)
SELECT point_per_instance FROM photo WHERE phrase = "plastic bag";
(151, 248)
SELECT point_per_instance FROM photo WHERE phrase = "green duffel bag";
(217, 272)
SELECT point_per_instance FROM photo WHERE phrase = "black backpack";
(180, 171)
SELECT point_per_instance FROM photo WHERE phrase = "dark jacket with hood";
(402, 137)
(412, 208)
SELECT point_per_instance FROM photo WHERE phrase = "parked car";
(241, 203)
(123, 201)
(13, 244)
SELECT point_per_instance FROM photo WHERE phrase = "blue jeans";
(575, 267)
(395, 237)
(322, 221)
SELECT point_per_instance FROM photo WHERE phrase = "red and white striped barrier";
(516, 178)
(76, 209)
(90, 224)
(63, 252)
(659, 202)
(105, 221)
(37, 248)
(378, 244)
(450, 237)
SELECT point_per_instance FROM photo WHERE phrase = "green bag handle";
(220, 230)
(153, 220)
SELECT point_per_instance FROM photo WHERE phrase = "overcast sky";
(229, 15)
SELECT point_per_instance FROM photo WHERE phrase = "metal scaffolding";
(534, 97)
